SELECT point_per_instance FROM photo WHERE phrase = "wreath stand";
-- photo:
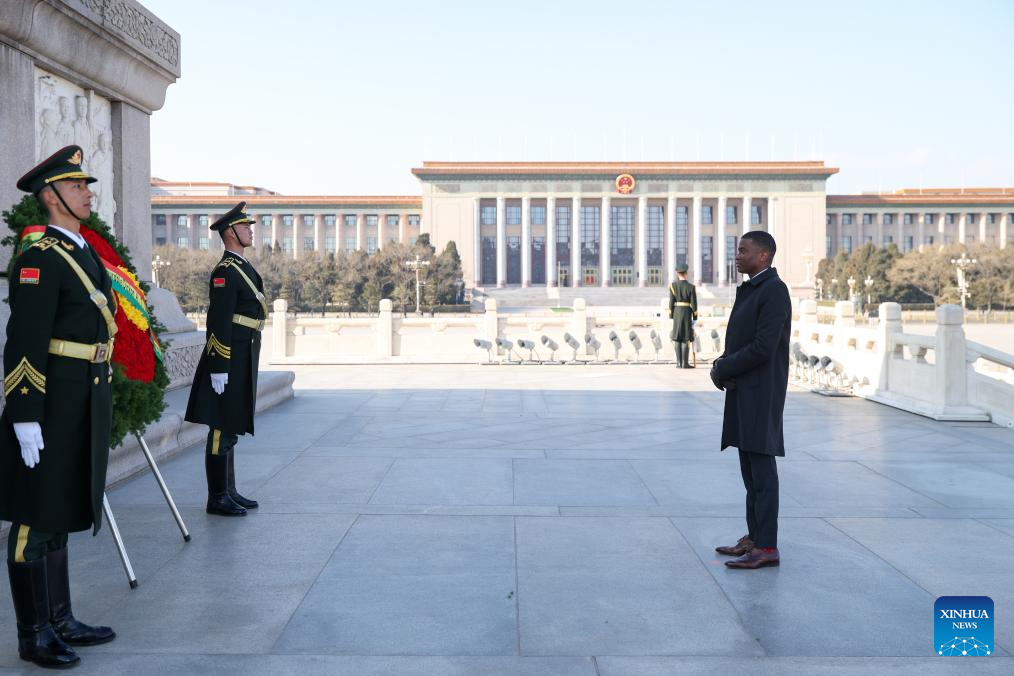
(120, 547)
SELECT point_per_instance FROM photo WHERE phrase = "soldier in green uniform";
(683, 312)
(54, 432)
(224, 393)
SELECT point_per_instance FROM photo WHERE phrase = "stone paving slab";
(476, 520)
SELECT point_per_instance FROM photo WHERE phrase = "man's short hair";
(763, 240)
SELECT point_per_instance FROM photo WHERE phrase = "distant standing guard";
(54, 432)
(683, 312)
(754, 372)
(224, 393)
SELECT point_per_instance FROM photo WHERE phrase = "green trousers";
(25, 543)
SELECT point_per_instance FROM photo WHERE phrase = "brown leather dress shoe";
(755, 558)
(742, 546)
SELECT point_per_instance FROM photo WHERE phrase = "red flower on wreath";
(132, 349)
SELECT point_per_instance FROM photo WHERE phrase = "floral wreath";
(139, 375)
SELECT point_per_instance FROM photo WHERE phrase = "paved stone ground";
(557, 521)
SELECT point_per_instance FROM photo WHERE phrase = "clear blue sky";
(316, 97)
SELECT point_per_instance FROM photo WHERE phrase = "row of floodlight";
(824, 372)
(589, 339)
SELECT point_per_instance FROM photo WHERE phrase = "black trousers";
(760, 477)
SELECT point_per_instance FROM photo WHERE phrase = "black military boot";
(60, 616)
(37, 641)
(219, 502)
(679, 354)
(246, 503)
(686, 356)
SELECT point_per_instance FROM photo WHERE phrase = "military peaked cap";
(682, 267)
(63, 165)
(236, 216)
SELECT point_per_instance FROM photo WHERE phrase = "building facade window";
(287, 221)
(202, 221)
(562, 220)
(754, 214)
(202, 243)
(846, 219)
(350, 243)
(266, 221)
(621, 228)
(828, 219)
(371, 219)
(538, 215)
(888, 239)
(182, 242)
(487, 215)
(927, 239)
(413, 219)
(308, 220)
(266, 242)
(287, 244)
(590, 231)
(731, 242)
(329, 219)
(159, 219)
(513, 214)
(909, 243)
(392, 219)
(329, 244)
(655, 227)
(846, 244)
(888, 219)
(730, 215)
(867, 219)
(706, 217)
(970, 219)
(929, 218)
(371, 245)
(949, 219)
(909, 219)
(350, 220)
(308, 244)
(991, 219)
(827, 247)
(682, 236)
(181, 220)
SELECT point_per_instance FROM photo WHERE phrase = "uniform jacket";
(682, 291)
(70, 398)
(229, 348)
(756, 356)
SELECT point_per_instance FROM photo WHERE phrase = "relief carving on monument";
(66, 114)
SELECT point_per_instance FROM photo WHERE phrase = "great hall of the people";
(598, 223)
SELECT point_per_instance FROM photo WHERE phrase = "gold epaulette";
(228, 263)
(24, 371)
(45, 243)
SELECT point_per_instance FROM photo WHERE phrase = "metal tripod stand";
(120, 548)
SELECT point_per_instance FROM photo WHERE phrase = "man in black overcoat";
(683, 312)
(754, 372)
(54, 432)
(224, 392)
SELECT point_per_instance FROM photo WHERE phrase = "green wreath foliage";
(136, 404)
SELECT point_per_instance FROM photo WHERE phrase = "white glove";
(219, 381)
(29, 435)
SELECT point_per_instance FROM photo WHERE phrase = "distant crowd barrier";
(634, 335)
(943, 376)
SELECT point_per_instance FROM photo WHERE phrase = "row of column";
(299, 230)
(641, 259)
(923, 227)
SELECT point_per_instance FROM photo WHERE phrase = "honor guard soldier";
(224, 393)
(54, 432)
(683, 312)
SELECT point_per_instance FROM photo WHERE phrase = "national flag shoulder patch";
(218, 281)
(29, 276)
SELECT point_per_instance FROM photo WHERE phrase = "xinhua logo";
(963, 626)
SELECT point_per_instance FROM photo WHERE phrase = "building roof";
(611, 169)
(926, 197)
(260, 202)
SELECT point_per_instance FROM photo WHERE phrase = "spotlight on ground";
(574, 344)
(656, 342)
(593, 342)
(508, 347)
(552, 346)
(636, 342)
(615, 340)
(530, 346)
(484, 345)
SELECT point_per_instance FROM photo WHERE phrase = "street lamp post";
(157, 264)
(851, 281)
(868, 282)
(417, 265)
(963, 264)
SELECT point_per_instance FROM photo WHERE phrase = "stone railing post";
(808, 312)
(664, 324)
(951, 372)
(385, 330)
(844, 314)
(280, 329)
(890, 323)
(579, 323)
(491, 323)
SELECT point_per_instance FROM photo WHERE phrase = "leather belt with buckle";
(96, 354)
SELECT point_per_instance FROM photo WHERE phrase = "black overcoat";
(682, 291)
(70, 398)
(756, 356)
(229, 348)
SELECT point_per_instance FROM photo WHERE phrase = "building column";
(670, 238)
(719, 249)
(901, 232)
(501, 243)
(879, 237)
(318, 233)
(360, 232)
(747, 215)
(276, 221)
(962, 227)
(476, 239)
(192, 228)
(526, 242)
(695, 240)
(381, 229)
(641, 250)
(1005, 220)
(297, 235)
(551, 277)
(920, 231)
(575, 242)
(983, 217)
(604, 245)
(403, 229)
